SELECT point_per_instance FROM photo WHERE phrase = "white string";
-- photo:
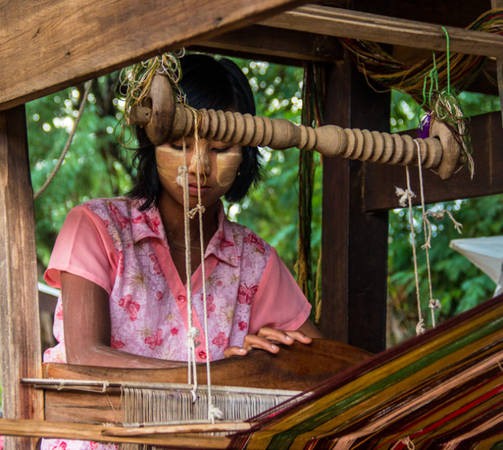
(213, 411)
(420, 324)
(432, 303)
(191, 330)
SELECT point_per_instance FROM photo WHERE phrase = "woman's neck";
(172, 215)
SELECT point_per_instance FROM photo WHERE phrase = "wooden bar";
(286, 46)
(354, 243)
(499, 64)
(62, 430)
(347, 23)
(67, 41)
(296, 368)
(487, 138)
(20, 331)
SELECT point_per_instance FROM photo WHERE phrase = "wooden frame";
(66, 52)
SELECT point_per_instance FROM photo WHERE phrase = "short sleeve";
(84, 248)
(279, 302)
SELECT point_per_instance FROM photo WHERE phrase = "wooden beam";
(259, 42)
(487, 136)
(387, 30)
(62, 42)
(62, 430)
(354, 243)
(499, 63)
(20, 331)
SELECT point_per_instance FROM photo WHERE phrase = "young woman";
(121, 263)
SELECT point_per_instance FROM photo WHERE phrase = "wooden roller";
(165, 120)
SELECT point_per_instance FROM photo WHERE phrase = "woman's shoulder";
(246, 237)
(115, 212)
(126, 206)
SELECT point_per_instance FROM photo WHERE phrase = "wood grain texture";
(354, 243)
(39, 428)
(499, 63)
(487, 140)
(388, 30)
(298, 368)
(62, 42)
(20, 331)
(273, 44)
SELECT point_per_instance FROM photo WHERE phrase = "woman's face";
(216, 163)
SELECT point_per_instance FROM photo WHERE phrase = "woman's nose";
(200, 159)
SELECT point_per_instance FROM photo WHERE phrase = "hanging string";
(68, 143)
(387, 72)
(409, 195)
(183, 180)
(433, 304)
(213, 411)
(448, 59)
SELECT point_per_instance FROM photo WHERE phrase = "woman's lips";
(193, 189)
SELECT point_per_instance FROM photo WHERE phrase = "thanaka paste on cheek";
(227, 165)
(168, 161)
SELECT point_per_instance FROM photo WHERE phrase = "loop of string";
(432, 304)
(213, 411)
(192, 331)
(405, 197)
(409, 195)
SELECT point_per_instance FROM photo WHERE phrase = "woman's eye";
(177, 146)
(220, 149)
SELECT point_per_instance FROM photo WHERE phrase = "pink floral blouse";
(124, 250)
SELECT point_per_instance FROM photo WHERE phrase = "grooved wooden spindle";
(166, 121)
(329, 140)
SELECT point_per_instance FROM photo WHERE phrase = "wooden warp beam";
(166, 120)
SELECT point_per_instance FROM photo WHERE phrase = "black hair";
(212, 84)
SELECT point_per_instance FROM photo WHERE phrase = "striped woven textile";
(443, 389)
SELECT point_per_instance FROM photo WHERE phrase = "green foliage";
(95, 166)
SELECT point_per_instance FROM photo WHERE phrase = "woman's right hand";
(269, 339)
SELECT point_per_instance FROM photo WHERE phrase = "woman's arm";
(268, 339)
(87, 328)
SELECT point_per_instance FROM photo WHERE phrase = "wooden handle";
(164, 120)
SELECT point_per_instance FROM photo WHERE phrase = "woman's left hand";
(268, 339)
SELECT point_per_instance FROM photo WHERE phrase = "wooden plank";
(20, 332)
(499, 63)
(298, 367)
(62, 42)
(487, 138)
(39, 428)
(259, 42)
(354, 243)
(388, 30)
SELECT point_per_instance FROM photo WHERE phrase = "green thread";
(448, 59)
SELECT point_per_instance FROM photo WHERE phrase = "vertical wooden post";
(354, 264)
(499, 64)
(20, 330)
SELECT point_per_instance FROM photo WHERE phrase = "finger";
(299, 337)
(235, 351)
(275, 335)
(259, 342)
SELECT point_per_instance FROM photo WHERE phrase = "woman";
(121, 263)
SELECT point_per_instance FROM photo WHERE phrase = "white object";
(486, 253)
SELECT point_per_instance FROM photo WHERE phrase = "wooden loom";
(67, 59)
(165, 120)
(441, 388)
